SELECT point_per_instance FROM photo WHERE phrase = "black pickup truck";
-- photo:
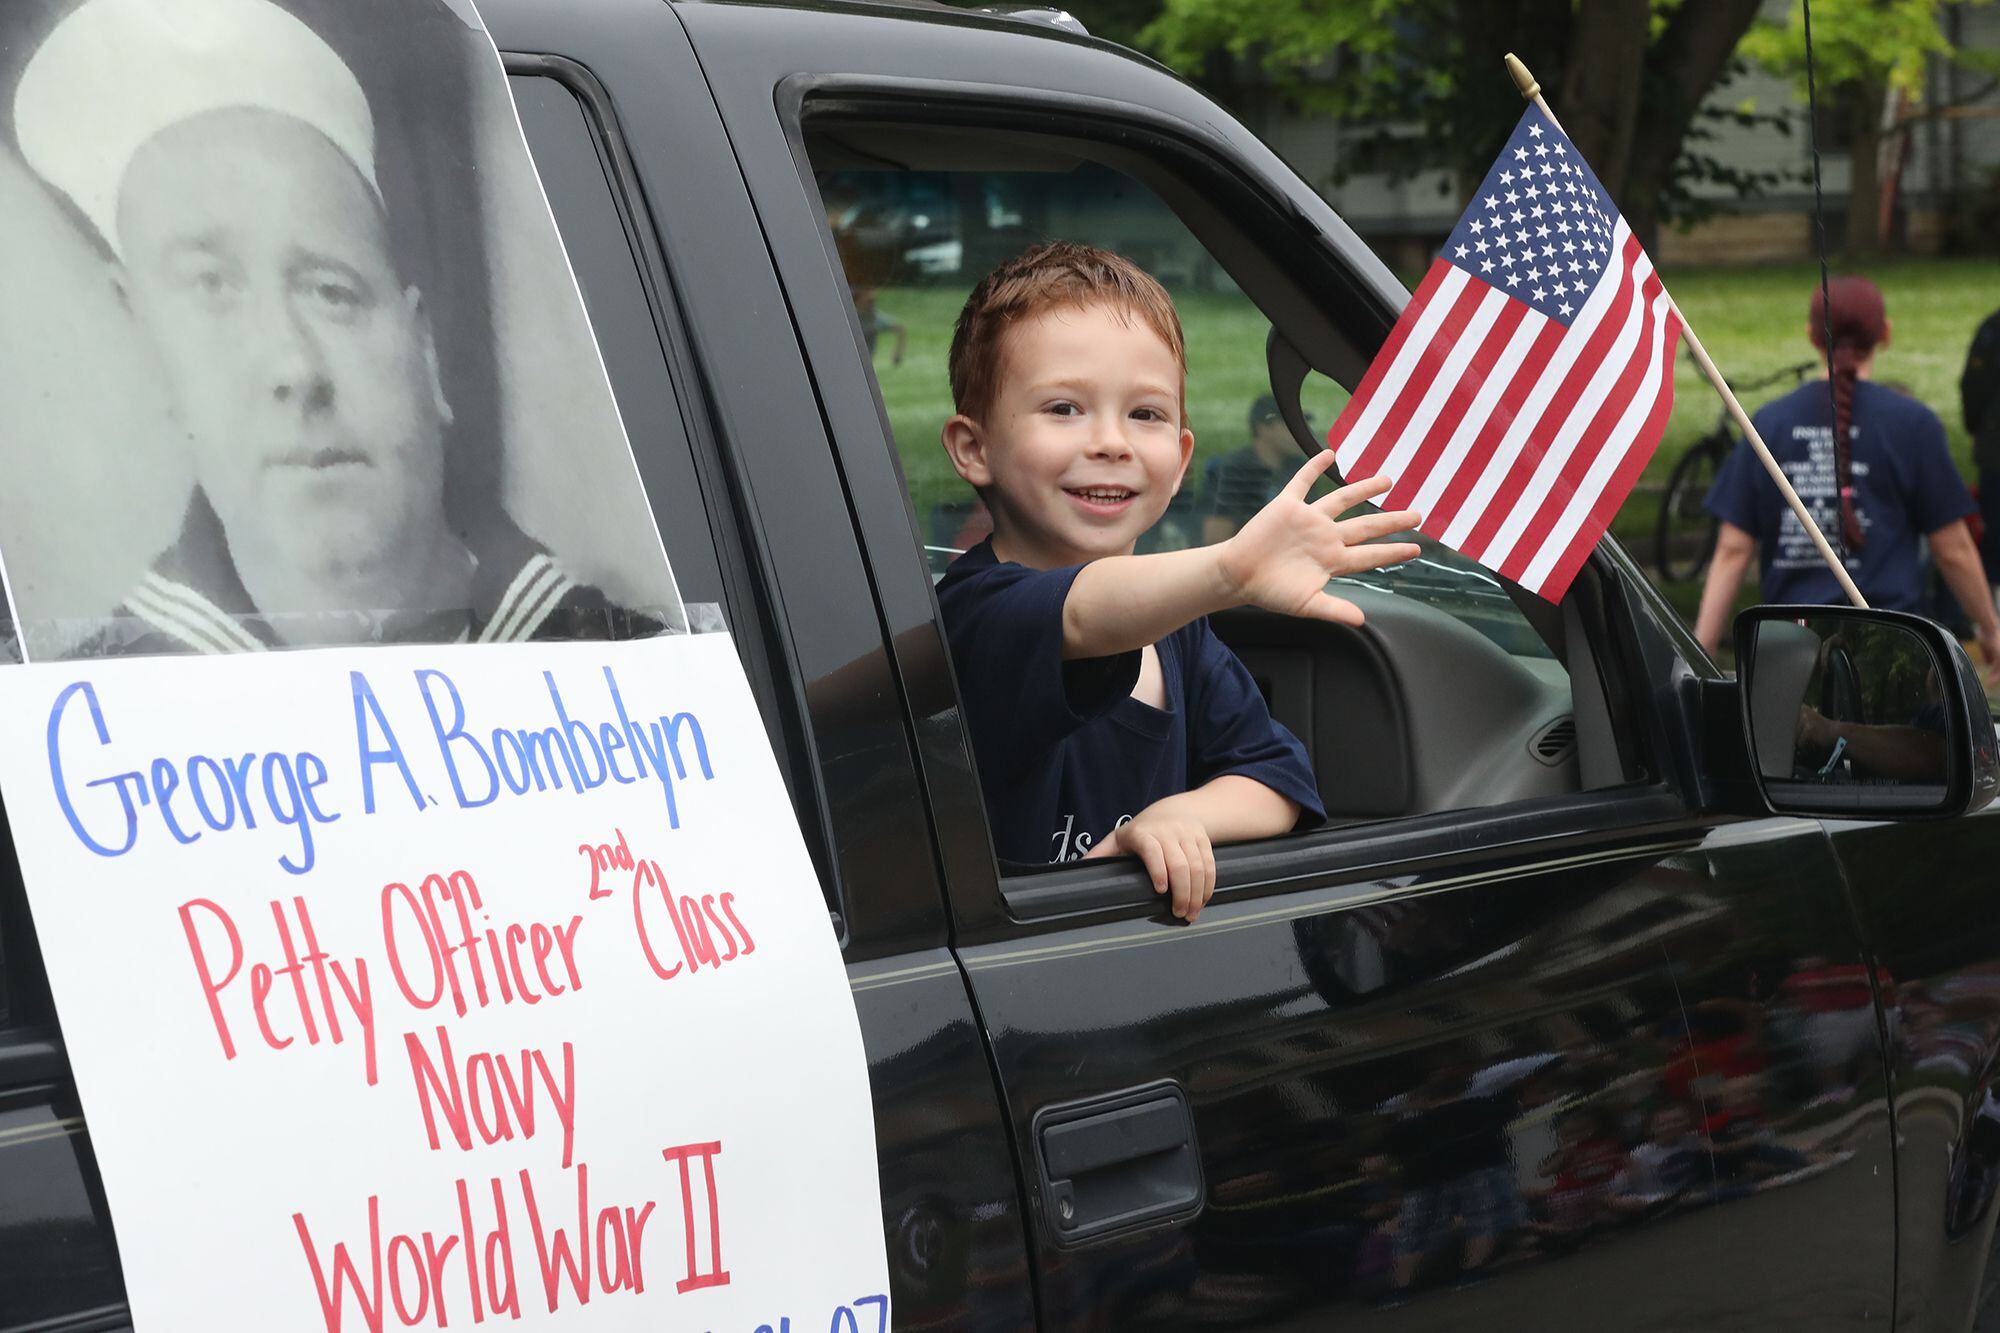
(1553, 1024)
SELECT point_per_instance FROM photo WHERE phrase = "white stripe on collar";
(179, 611)
(528, 601)
(523, 577)
(534, 613)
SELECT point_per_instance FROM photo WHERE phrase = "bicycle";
(1684, 538)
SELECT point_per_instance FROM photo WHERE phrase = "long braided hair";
(1848, 311)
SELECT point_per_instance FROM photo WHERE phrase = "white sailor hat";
(117, 72)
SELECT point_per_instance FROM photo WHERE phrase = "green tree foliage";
(1879, 44)
(1427, 75)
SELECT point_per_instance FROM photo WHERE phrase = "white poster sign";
(443, 986)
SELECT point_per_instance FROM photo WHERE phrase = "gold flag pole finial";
(1522, 79)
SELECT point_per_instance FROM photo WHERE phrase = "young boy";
(1106, 719)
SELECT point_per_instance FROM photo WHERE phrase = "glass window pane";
(919, 214)
(914, 242)
(580, 194)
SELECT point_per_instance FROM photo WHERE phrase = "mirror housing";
(1862, 714)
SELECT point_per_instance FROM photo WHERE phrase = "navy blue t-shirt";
(1905, 486)
(1065, 753)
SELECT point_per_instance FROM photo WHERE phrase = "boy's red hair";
(1052, 276)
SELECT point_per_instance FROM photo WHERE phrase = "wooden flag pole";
(1532, 91)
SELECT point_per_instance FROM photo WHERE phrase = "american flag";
(1527, 382)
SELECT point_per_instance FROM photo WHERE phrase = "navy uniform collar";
(194, 596)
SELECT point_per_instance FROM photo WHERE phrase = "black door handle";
(1114, 1164)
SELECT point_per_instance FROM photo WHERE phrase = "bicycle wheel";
(1685, 538)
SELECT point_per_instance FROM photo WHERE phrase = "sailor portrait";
(236, 197)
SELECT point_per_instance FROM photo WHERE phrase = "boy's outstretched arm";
(1175, 837)
(1279, 560)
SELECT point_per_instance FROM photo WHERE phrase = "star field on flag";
(1526, 384)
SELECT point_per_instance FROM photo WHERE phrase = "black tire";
(1685, 538)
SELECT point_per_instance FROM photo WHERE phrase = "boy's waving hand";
(1282, 558)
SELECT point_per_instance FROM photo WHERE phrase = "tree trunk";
(1864, 178)
(1603, 71)
(1685, 63)
(1487, 29)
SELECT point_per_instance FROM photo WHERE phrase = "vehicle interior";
(1460, 691)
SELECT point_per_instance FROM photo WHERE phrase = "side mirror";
(1862, 714)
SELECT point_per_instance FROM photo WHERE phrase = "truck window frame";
(1322, 306)
(779, 692)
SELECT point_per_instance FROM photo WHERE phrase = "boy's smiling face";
(1083, 444)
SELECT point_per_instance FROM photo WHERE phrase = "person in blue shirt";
(1106, 719)
(1872, 467)
(1979, 401)
(1237, 485)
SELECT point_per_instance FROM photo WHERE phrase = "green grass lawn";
(1751, 320)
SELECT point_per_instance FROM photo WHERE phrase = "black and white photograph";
(290, 351)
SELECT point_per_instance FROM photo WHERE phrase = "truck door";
(684, 387)
(681, 292)
(1518, 1036)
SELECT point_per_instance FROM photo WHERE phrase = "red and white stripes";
(1517, 437)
